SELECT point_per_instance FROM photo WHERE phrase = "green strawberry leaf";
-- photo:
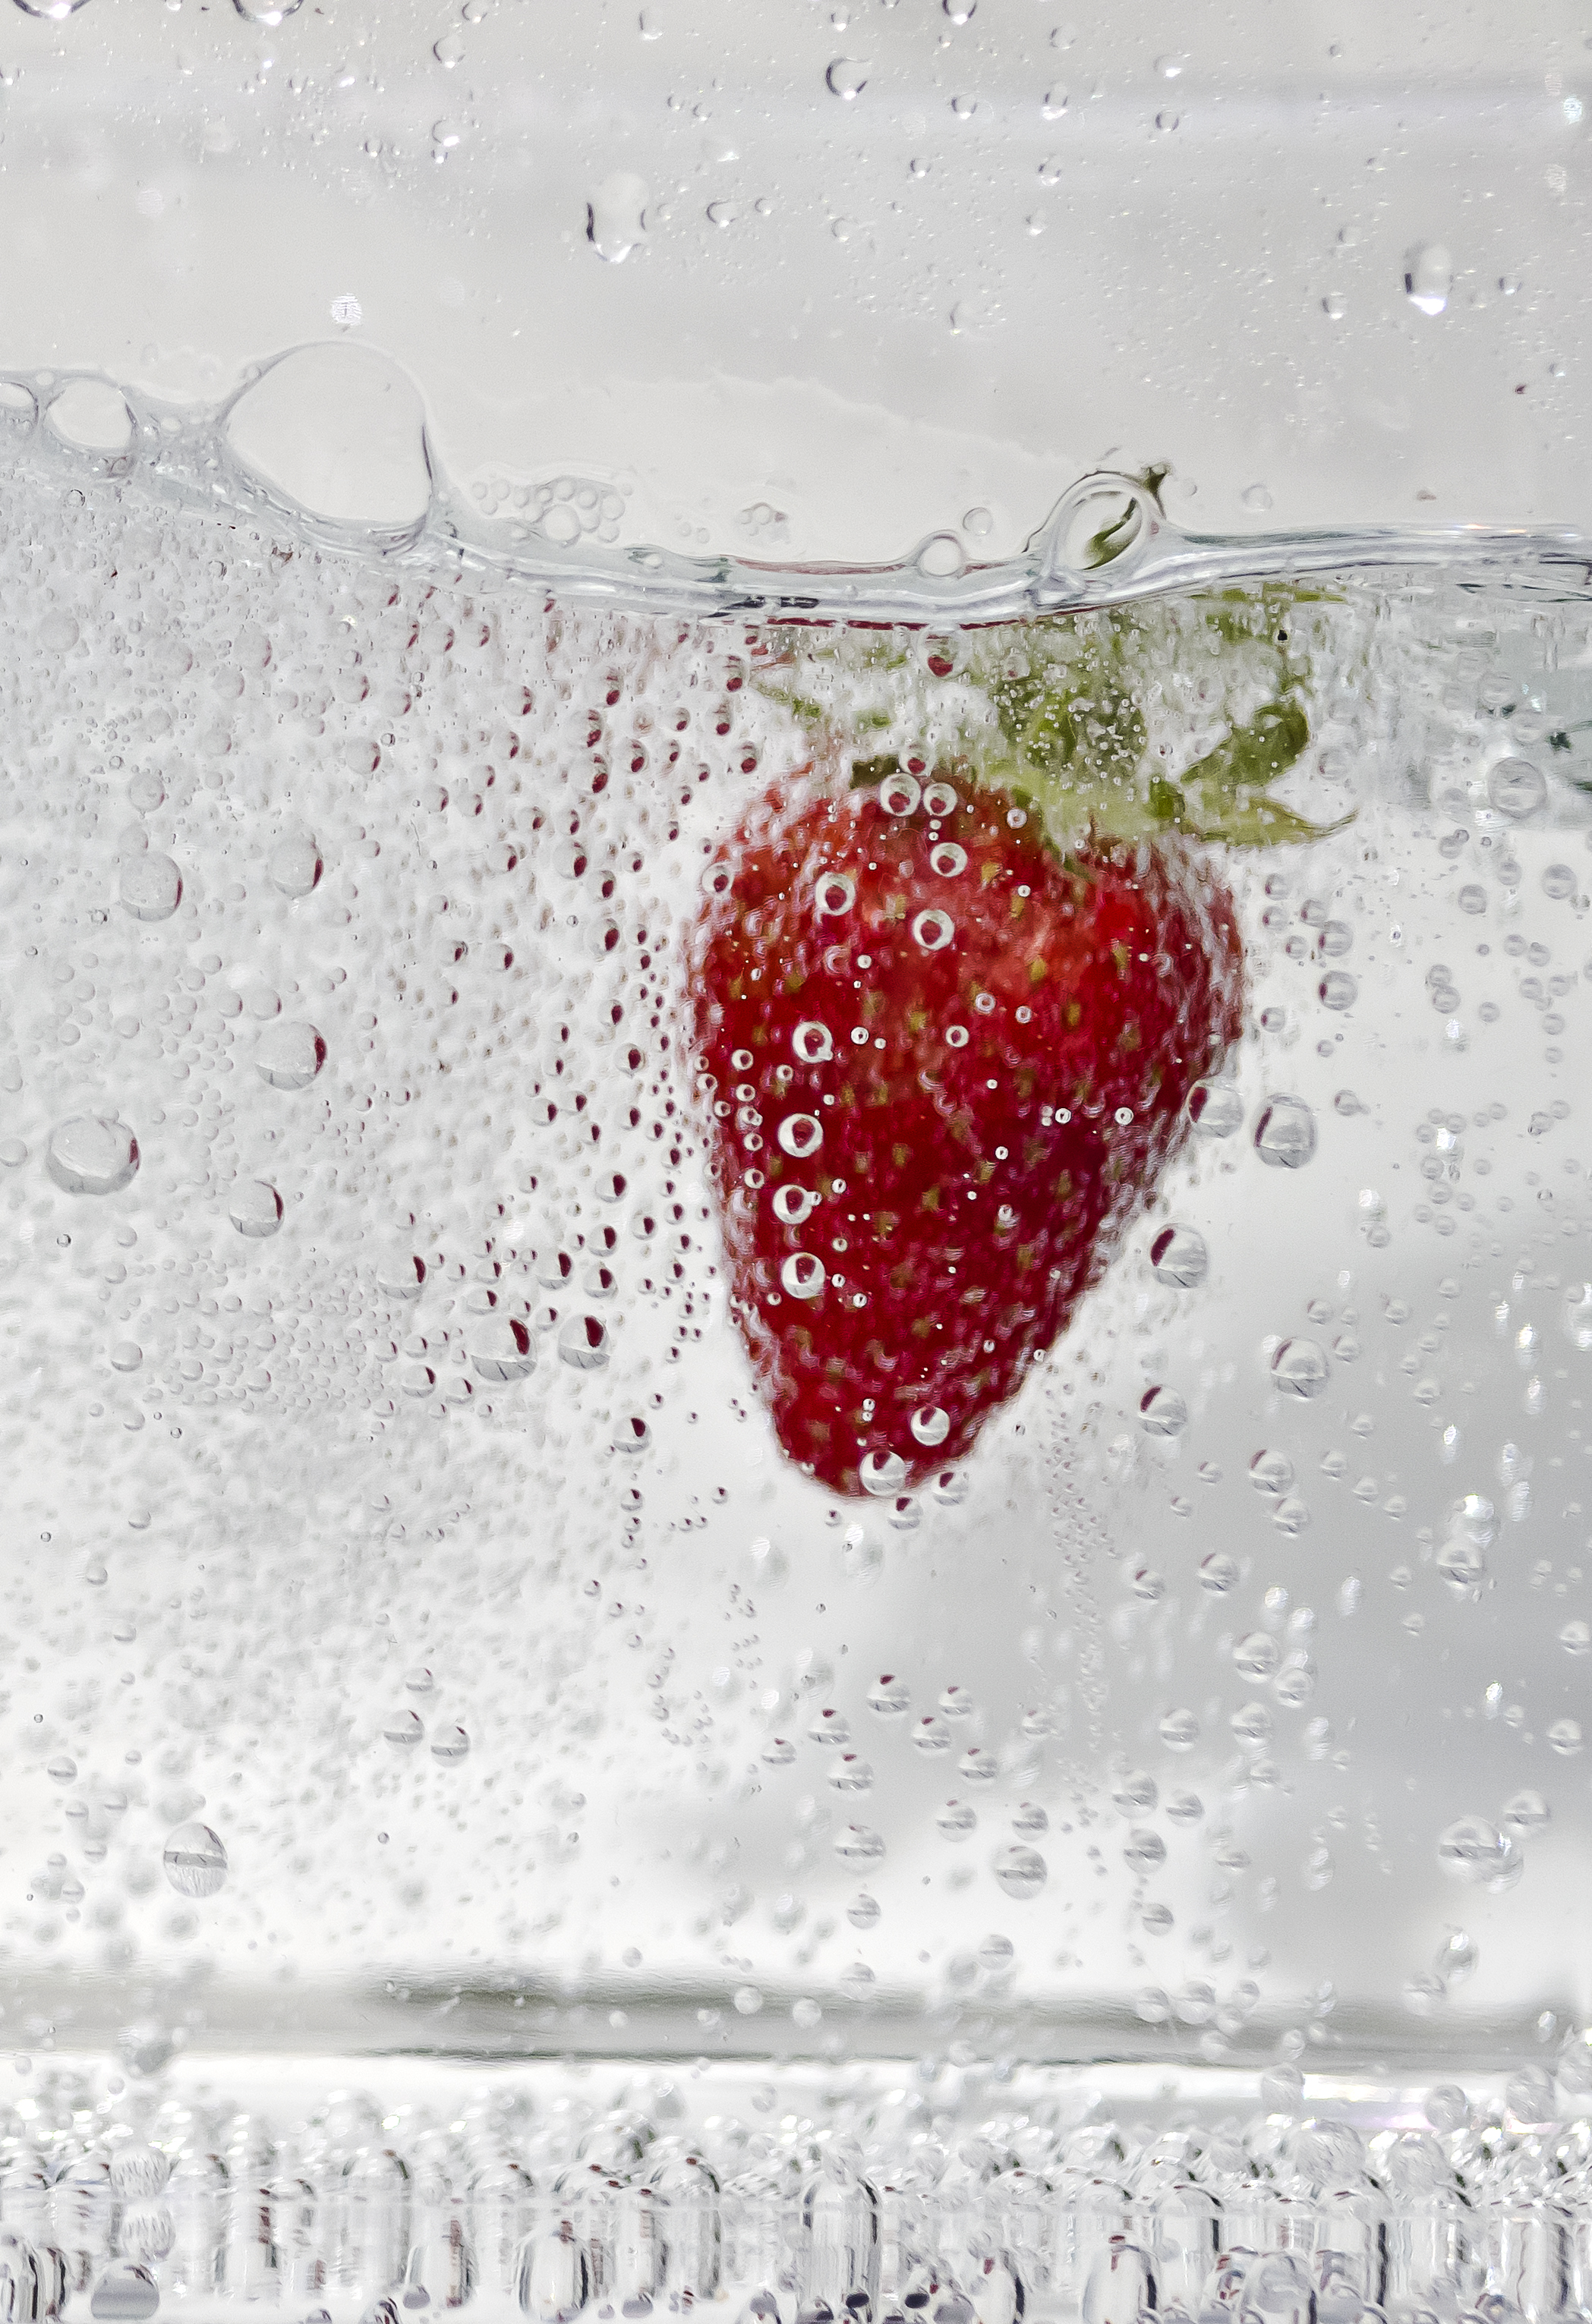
(1225, 792)
(1058, 711)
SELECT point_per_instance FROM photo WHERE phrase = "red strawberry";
(948, 1065)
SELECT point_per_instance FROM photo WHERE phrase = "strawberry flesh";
(947, 1068)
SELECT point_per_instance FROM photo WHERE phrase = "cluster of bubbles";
(359, 1242)
(859, 2199)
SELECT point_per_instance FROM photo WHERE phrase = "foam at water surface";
(416, 1635)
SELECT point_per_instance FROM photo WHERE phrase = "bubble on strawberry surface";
(834, 895)
(800, 1135)
(803, 1274)
(948, 859)
(931, 1425)
(812, 1043)
(793, 1204)
(882, 1474)
(899, 794)
(933, 930)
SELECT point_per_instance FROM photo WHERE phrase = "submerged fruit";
(948, 1066)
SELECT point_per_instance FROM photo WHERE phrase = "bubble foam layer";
(818, 2196)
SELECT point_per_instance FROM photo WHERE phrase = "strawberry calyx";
(1060, 714)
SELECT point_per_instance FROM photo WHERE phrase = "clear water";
(417, 1640)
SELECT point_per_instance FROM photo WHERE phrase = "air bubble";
(150, 887)
(92, 1153)
(583, 1342)
(1178, 1258)
(195, 1861)
(1021, 1871)
(1516, 789)
(1300, 1368)
(295, 865)
(1215, 1108)
(882, 1474)
(848, 76)
(800, 1135)
(1285, 1133)
(1429, 277)
(289, 1055)
(1270, 1473)
(254, 1208)
(1163, 1411)
(500, 1347)
(1473, 1851)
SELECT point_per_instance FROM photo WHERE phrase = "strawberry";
(949, 1028)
